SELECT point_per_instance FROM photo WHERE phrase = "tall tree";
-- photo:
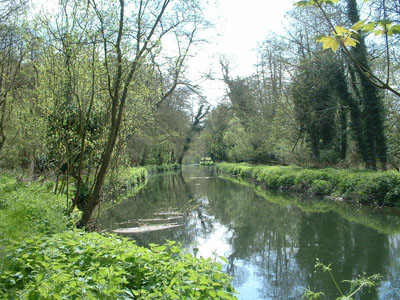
(13, 50)
(126, 48)
(371, 101)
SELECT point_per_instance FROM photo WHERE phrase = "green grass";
(365, 187)
(28, 209)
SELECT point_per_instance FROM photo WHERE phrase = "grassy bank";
(365, 187)
(384, 220)
(162, 168)
(31, 208)
(28, 209)
(46, 258)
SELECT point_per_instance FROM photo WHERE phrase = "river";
(270, 240)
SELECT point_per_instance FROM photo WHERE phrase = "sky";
(239, 26)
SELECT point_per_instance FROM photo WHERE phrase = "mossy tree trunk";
(371, 103)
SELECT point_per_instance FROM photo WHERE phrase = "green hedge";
(366, 187)
(78, 265)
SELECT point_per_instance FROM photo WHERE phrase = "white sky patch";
(238, 27)
(215, 244)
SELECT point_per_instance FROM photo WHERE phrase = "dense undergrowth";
(78, 265)
(30, 208)
(162, 168)
(42, 256)
(127, 184)
(365, 187)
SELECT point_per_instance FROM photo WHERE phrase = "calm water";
(271, 241)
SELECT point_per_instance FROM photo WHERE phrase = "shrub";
(321, 187)
(367, 187)
(162, 168)
(78, 265)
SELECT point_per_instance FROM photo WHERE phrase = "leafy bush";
(127, 178)
(321, 187)
(162, 168)
(367, 187)
(207, 163)
(78, 265)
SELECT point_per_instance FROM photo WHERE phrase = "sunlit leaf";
(330, 2)
(349, 41)
(359, 25)
(379, 32)
(341, 30)
(329, 42)
(395, 29)
(302, 3)
(369, 27)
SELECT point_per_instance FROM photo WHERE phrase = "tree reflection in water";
(271, 240)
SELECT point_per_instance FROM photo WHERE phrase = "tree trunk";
(373, 110)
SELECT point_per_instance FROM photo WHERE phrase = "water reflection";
(271, 245)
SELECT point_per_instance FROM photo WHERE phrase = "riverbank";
(364, 187)
(47, 258)
(162, 168)
(384, 220)
(30, 208)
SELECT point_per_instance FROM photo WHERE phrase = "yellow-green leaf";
(395, 29)
(369, 27)
(302, 3)
(329, 42)
(359, 25)
(349, 41)
(341, 30)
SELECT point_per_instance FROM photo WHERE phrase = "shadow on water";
(271, 240)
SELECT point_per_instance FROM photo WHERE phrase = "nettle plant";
(78, 265)
(356, 285)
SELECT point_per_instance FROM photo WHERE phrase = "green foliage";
(29, 208)
(366, 187)
(237, 141)
(206, 163)
(321, 187)
(356, 285)
(162, 168)
(78, 265)
(387, 224)
(128, 177)
(349, 36)
(317, 93)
